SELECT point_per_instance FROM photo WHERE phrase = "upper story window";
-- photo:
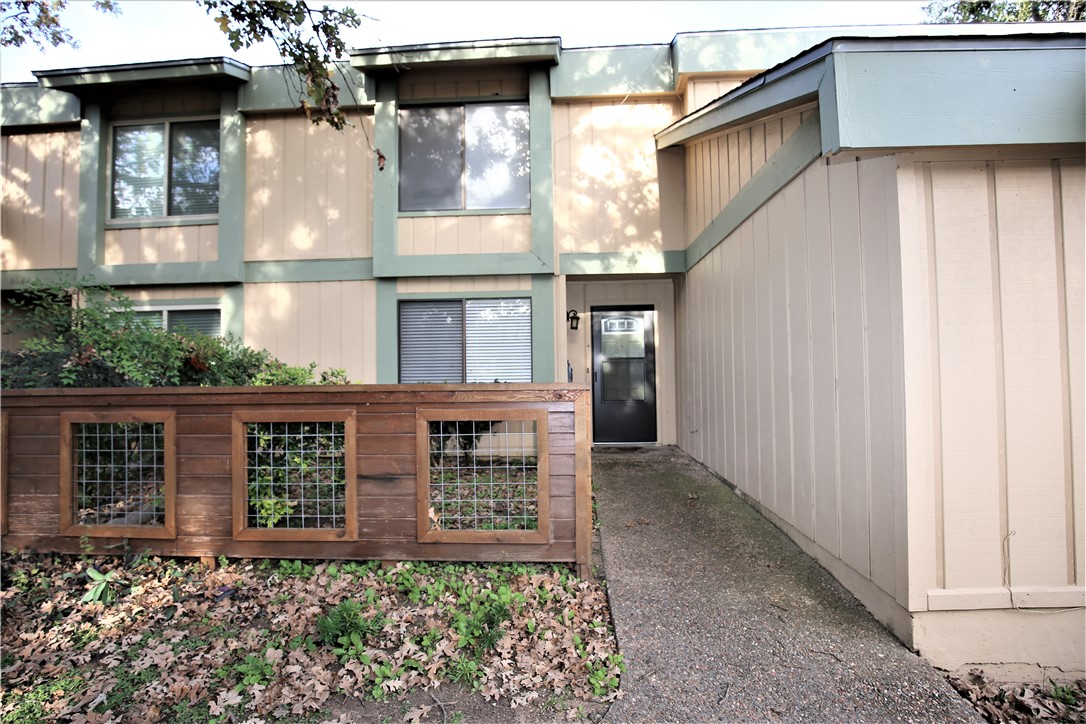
(165, 169)
(465, 157)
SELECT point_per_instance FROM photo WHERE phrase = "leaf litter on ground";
(175, 641)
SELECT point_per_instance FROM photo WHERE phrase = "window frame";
(68, 524)
(540, 535)
(463, 208)
(166, 218)
(463, 301)
(165, 311)
(239, 457)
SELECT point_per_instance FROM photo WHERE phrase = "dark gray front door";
(624, 374)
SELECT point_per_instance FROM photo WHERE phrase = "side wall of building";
(790, 376)
(992, 263)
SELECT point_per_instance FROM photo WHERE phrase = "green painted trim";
(801, 148)
(519, 50)
(34, 106)
(231, 186)
(748, 49)
(277, 88)
(92, 188)
(20, 278)
(194, 69)
(462, 212)
(388, 335)
(540, 140)
(744, 104)
(142, 304)
(233, 311)
(543, 293)
(309, 270)
(602, 72)
(386, 190)
(189, 272)
(162, 221)
(624, 262)
(827, 108)
(986, 96)
(458, 265)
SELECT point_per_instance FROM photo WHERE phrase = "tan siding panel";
(1033, 382)
(967, 348)
(1073, 191)
(308, 190)
(330, 323)
(40, 206)
(848, 296)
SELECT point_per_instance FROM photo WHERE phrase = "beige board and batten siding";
(660, 293)
(606, 179)
(718, 166)
(162, 244)
(327, 322)
(39, 219)
(701, 91)
(790, 386)
(460, 286)
(993, 293)
(507, 81)
(308, 189)
(492, 234)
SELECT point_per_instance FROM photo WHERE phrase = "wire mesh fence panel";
(484, 475)
(296, 475)
(118, 473)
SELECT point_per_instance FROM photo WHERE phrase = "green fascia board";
(960, 98)
(541, 156)
(457, 265)
(796, 154)
(29, 105)
(609, 72)
(22, 278)
(762, 96)
(542, 295)
(623, 262)
(231, 240)
(277, 88)
(194, 69)
(187, 272)
(513, 50)
(309, 270)
(747, 50)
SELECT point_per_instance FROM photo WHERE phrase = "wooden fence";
(398, 472)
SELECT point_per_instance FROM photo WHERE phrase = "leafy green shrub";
(346, 621)
(89, 335)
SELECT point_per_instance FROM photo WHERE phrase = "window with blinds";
(165, 169)
(205, 321)
(470, 340)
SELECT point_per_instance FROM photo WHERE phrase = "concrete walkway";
(721, 617)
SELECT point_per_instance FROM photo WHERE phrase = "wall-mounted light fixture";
(573, 318)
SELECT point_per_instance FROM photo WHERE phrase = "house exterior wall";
(490, 234)
(992, 264)
(309, 193)
(788, 384)
(720, 165)
(40, 213)
(161, 244)
(330, 323)
(606, 179)
(701, 90)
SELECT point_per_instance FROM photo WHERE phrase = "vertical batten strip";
(1065, 371)
(1000, 374)
(936, 381)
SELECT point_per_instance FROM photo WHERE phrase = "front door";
(624, 374)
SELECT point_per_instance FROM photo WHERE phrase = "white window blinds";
(472, 340)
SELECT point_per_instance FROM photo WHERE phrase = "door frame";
(596, 317)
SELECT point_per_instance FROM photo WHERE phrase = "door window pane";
(622, 342)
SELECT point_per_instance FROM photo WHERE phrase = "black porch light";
(573, 318)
